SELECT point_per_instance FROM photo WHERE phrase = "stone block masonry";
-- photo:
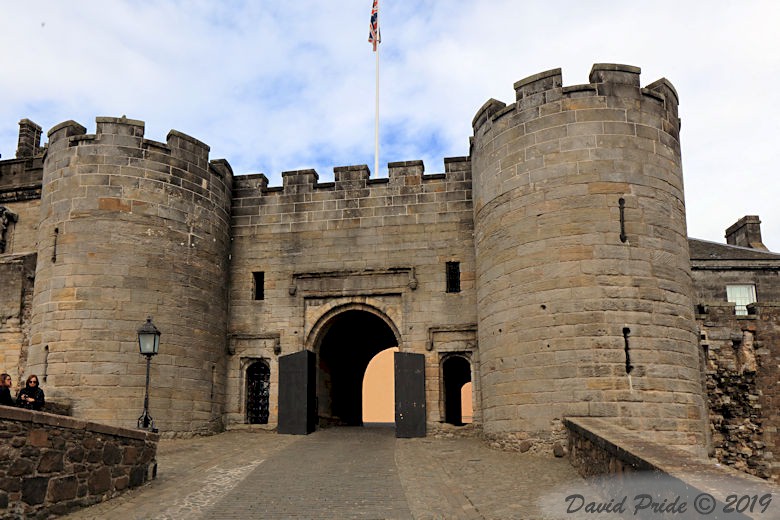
(355, 243)
(132, 227)
(51, 465)
(741, 371)
(583, 275)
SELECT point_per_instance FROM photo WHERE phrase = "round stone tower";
(584, 286)
(132, 227)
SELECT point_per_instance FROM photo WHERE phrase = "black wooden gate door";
(258, 383)
(409, 395)
(297, 393)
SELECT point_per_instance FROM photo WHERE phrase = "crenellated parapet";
(607, 81)
(182, 156)
(354, 198)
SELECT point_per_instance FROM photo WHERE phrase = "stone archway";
(345, 340)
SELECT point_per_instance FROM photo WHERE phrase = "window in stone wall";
(453, 277)
(741, 295)
(259, 285)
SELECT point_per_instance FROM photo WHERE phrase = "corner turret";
(583, 276)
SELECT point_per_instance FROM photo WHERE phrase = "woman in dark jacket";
(31, 396)
(5, 390)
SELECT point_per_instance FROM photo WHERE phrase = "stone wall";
(368, 245)
(742, 359)
(52, 465)
(20, 193)
(16, 293)
(627, 463)
(741, 353)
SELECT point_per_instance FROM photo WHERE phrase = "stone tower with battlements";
(583, 275)
(131, 226)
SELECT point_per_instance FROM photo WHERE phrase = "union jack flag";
(373, 29)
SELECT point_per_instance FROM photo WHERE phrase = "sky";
(274, 85)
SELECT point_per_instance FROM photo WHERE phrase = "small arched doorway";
(456, 372)
(345, 345)
(258, 384)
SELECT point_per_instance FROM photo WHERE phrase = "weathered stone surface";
(34, 490)
(741, 352)
(112, 454)
(559, 450)
(99, 481)
(51, 461)
(63, 488)
(39, 481)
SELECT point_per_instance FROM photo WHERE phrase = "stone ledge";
(49, 419)
(629, 451)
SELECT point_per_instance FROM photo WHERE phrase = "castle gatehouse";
(549, 267)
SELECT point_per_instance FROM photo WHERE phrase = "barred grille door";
(258, 383)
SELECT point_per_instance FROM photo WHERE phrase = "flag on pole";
(373, 31)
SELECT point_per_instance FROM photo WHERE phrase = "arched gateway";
(344, 347)
(340, 346)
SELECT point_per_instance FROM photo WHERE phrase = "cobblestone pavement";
(342, 473)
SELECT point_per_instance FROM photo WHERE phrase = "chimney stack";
(29, 139)
(746, 233)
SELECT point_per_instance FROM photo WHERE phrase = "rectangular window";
(453, 277)
(742, 296)
(259, 285)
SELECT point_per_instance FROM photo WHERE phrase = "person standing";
(5, 390)
(31, 396)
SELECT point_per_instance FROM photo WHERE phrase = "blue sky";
(276, 85)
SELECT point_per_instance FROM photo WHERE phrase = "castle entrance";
(323, 383)
(347, 343)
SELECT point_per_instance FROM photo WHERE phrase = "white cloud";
(275, 86)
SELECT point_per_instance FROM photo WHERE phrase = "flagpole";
(374, 38)
(376, 119)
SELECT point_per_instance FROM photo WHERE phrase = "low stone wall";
(51, 465)
(598, 448)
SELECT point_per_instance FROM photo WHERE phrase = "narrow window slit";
(54, 251)
(453, 277)
(629, 366)
(622, 204)
(258, 291)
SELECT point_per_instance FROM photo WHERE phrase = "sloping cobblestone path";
(341, 473)
(336, 473)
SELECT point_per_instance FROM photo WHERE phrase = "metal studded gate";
(258, 384)
(409, 395)
(297, 393)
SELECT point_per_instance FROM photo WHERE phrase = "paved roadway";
(342, 473)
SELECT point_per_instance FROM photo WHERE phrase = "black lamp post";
(149, 344)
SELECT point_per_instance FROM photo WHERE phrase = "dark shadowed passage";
(347, 345)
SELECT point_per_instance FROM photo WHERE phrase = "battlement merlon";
(609, 80)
